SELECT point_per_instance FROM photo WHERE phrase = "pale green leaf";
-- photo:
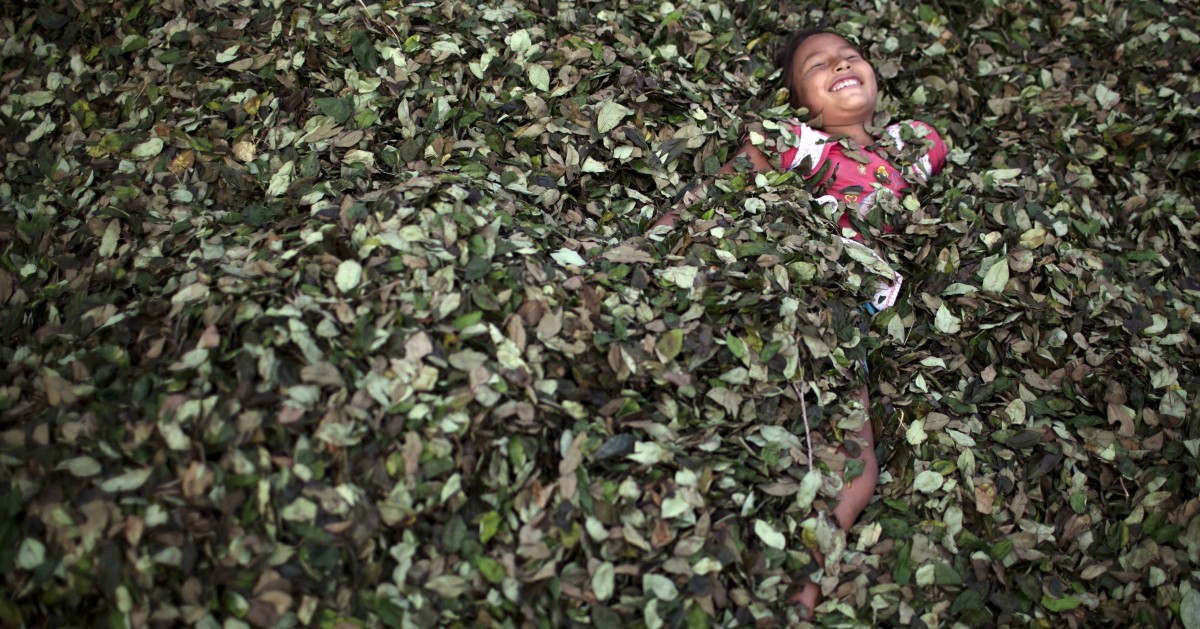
(915, 434)
(661, 586)
(359, 156)
(448, 586)
(228, 54)
(567, 257)
(928, 482)
(674, 506)
(996, 277)
(868, 258)
(925, 575)
(779, 435)
(590, 165)
(81, 466)
(681, 276)
(809, 485)
(349, 275)
(519, 41)
(44, 127)
(611, 114)
(1015, 410)
(539, 77)
(147, 149)
(603, 581)
(1189, 609)
(651, 616)
(300, 510)
(1003, 174)
(1106, 97)
(945, 322)
(108, 243)
(1060, 604)
(174, 436)
(128, 481)
(1158, 324)
(30, 554)
(769, 535)
(669, 346)
(1033, 238)
(281, 180)
(648, 453)
(37, 98)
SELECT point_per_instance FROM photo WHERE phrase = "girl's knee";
(868, 480)
(871, 474)
(870, 464)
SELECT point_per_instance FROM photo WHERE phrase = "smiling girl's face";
(831, 78)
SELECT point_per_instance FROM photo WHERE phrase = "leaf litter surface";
(350, 314)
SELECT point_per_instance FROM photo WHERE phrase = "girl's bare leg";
(853, 498)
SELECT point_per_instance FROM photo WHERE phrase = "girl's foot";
(806, 600)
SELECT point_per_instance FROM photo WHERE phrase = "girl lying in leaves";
(829, 77)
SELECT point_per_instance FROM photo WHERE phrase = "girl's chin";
(842, 119)
(853, 100)
(849, 113)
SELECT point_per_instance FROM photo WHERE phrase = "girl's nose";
(842, 64)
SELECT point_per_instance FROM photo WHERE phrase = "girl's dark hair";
(783, 56)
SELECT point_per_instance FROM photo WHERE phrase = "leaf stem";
(804, 415)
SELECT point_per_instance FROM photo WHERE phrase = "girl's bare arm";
(758, 161)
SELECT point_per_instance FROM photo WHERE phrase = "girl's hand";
(758, 160)
(693, 195)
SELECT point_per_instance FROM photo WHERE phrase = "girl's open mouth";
(844, 83)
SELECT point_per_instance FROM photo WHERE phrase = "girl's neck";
(857, 132)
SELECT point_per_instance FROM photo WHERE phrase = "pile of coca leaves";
(351, 313)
